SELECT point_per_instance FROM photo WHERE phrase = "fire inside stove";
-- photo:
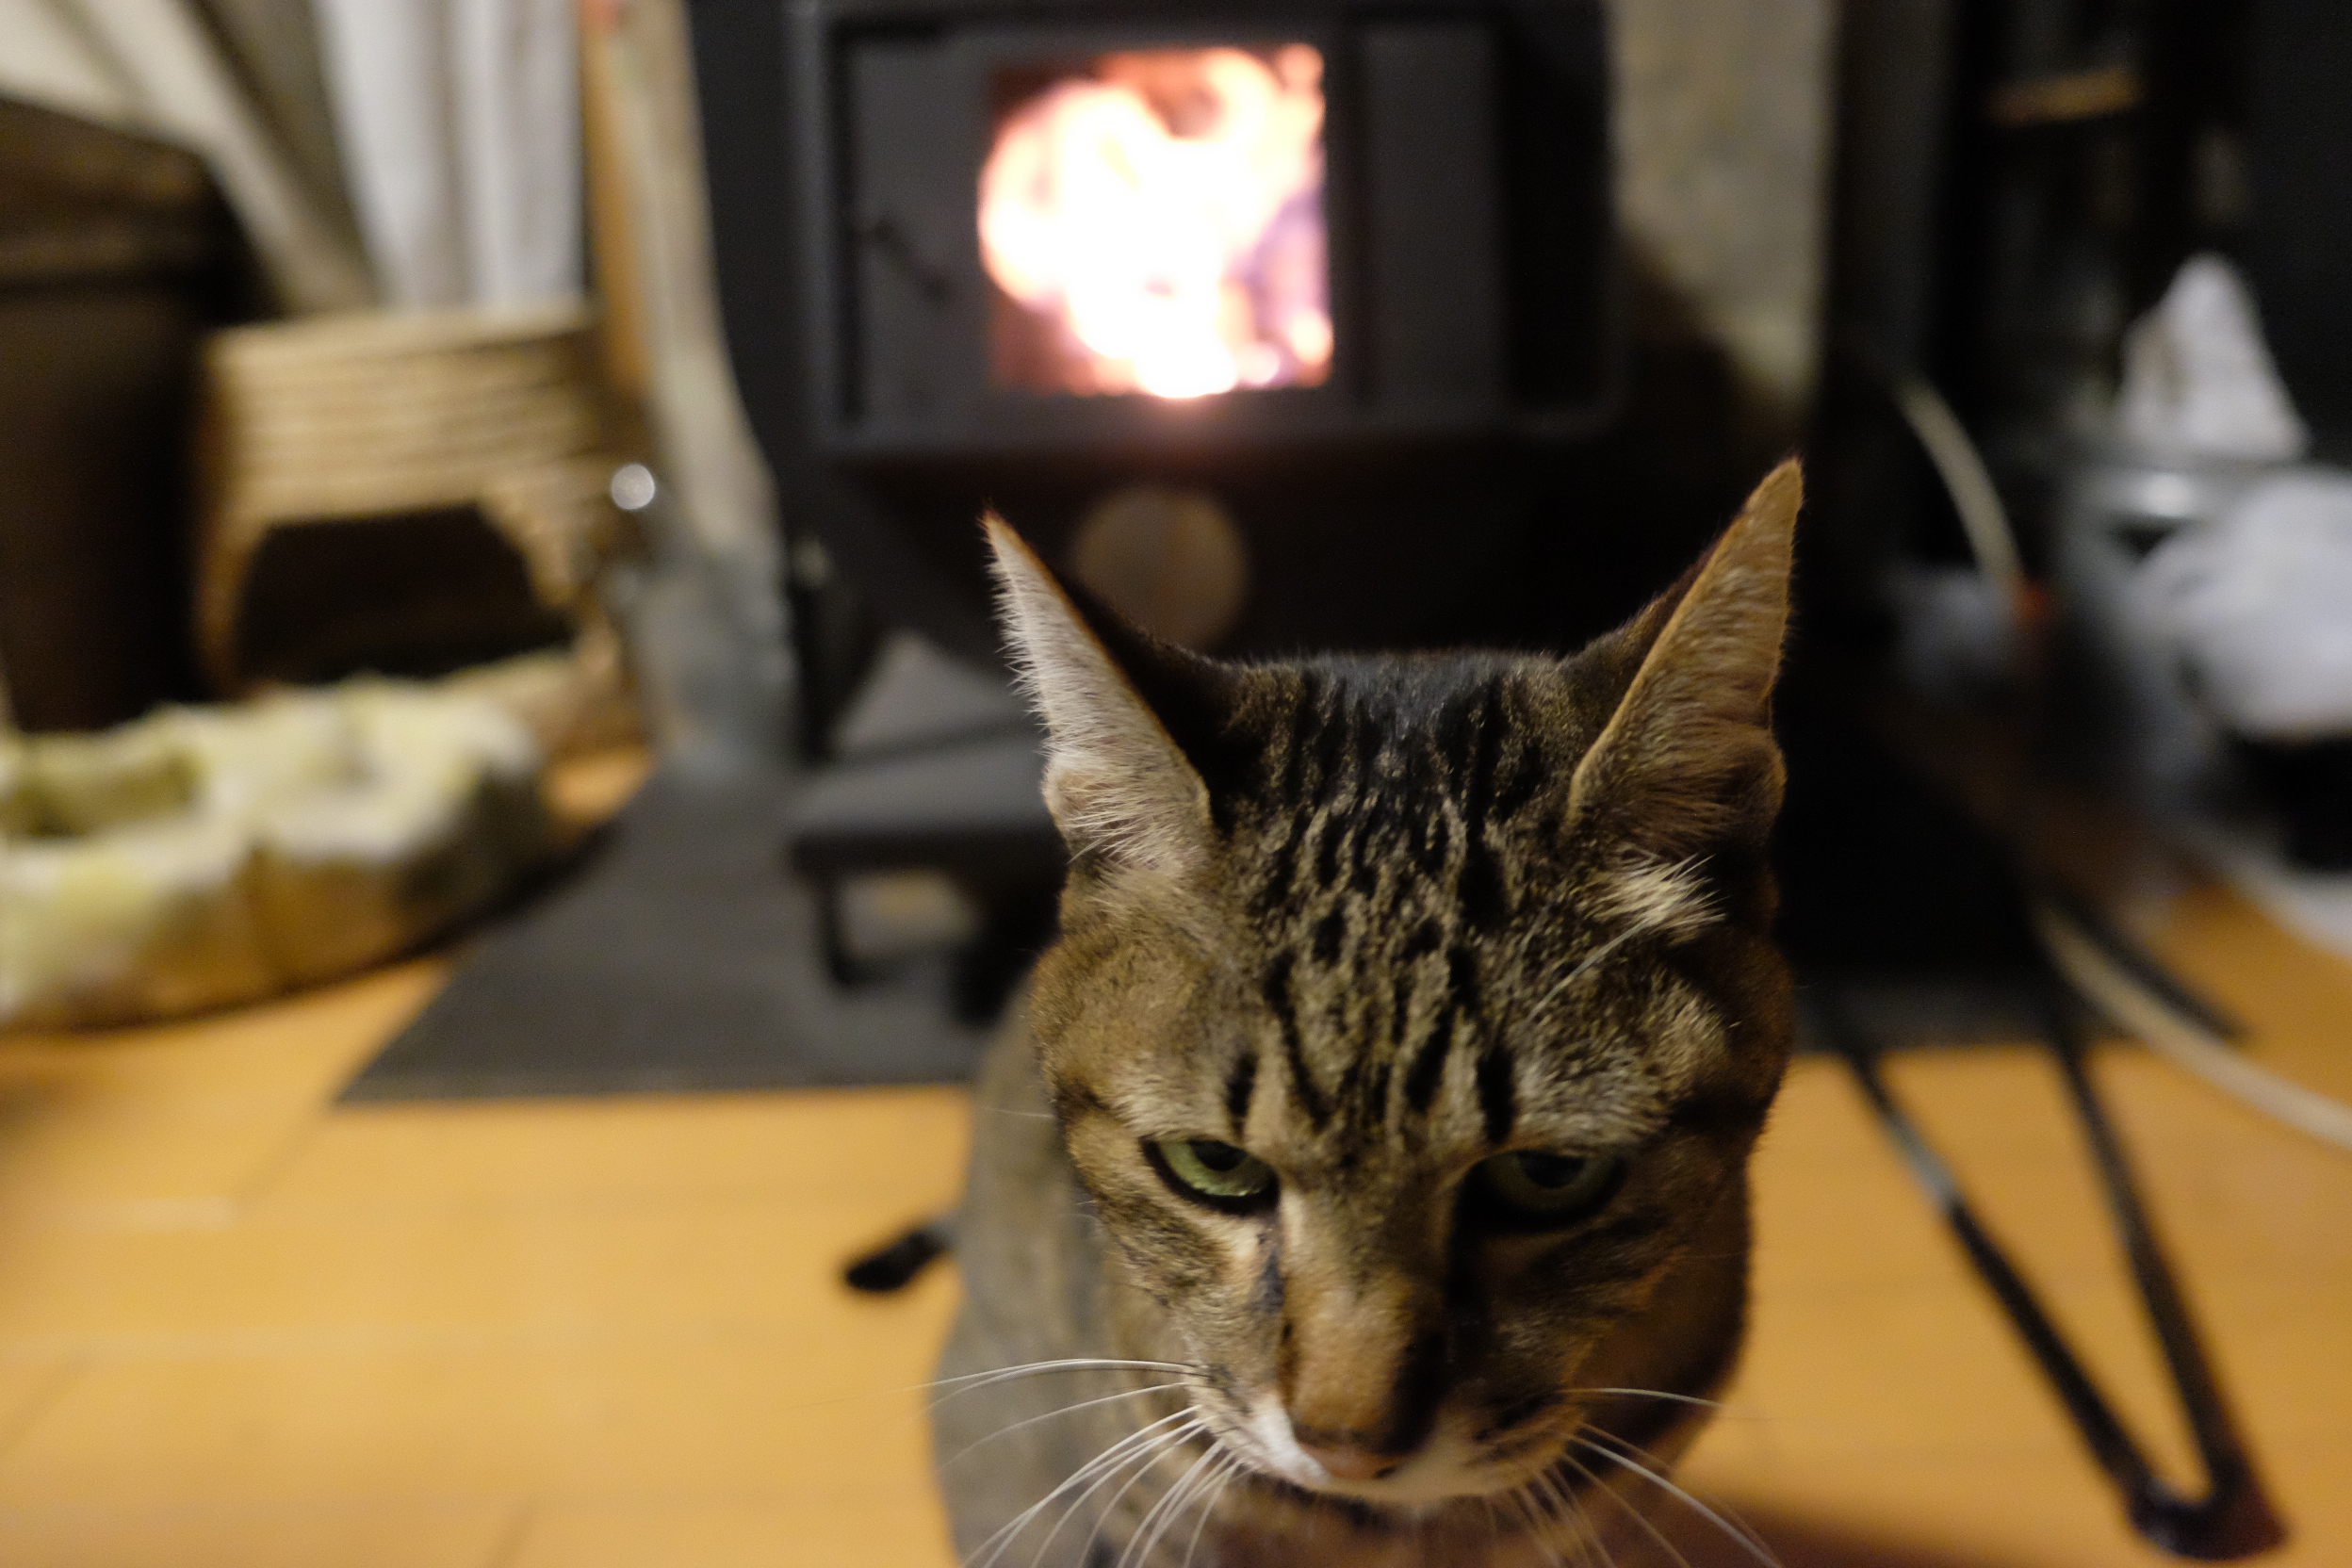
(1154, 222)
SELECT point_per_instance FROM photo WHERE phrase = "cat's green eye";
(1222, 1175)
(1532, 1188)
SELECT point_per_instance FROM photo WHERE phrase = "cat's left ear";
(1687, 764)
(1119, 787)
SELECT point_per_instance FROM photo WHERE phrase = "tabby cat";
(1365, 1181)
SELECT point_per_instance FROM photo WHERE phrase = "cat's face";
(1414, 1017)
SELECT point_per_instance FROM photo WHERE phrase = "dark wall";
(2300, 175)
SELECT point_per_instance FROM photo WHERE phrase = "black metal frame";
(2233, 1517)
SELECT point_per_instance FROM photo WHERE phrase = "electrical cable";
(2185, 1044)
(1967, 480)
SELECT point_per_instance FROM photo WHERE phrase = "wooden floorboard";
(239, 1327)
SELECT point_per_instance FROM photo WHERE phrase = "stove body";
(1380, 466)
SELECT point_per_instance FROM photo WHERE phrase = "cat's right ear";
(1687, 763)
(1119, 785)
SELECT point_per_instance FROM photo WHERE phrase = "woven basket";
(372, 415)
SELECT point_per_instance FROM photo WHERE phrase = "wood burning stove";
(1341, 266)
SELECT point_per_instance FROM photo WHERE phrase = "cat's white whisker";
(1145, 1534)
(1066, 1410)
(968, 1381)
(1212, 1487)
(1559, 1508)
(1560, 1505)
(1746, 1537)
(1536, 1532)
(1632, 1510)
(1229, 1466)
(1005, 1534)
(1143, 1449)
(1116, 1457)
(1143, 1462)
(1157, 1452)
(1590, 1545)
(1067, 1363)
(1588, 1536)
(1162, 1514)
(1582, 1535)
(1642, 1393)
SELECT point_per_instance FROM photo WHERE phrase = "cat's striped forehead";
(1411, 923)
(1396, 776)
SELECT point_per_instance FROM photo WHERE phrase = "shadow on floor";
(1803, 1542)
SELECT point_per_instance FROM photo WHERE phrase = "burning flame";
(1165, 213)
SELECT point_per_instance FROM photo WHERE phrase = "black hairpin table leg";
(2233, 1518)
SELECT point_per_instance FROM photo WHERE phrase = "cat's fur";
(1376, 920)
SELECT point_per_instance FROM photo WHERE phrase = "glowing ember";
(1159, 224)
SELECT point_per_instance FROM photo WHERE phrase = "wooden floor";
(242, 1328)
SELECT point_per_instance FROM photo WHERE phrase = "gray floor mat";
(680, 957)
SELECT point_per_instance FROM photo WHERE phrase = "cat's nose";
(1344, 1460)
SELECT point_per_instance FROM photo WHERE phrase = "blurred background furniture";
(116, 255)
(412, 494)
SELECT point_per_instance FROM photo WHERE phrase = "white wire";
(2181, 1040)
(1967, 480)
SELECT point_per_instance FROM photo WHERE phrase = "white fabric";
(2259, 606)
(385, 77)
(459, 126)
(517, 70)
(2198, 381)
